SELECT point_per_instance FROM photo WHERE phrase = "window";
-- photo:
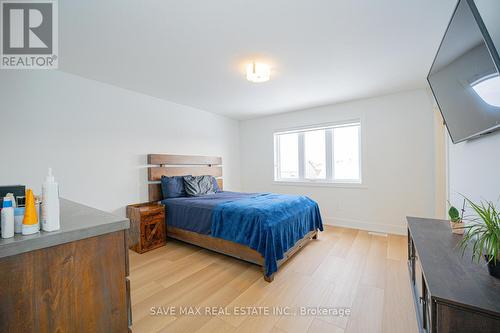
(314, 154)
(325, 154)
(346, 153)
(289, 156)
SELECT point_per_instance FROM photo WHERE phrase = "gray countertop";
(77, 222)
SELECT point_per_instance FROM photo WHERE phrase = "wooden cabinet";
(423, 303)
(147, 226)
(451, 293)
(78, 286)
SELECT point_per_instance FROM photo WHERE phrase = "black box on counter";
(17, 190)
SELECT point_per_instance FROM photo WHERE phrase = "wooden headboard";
(180, 165)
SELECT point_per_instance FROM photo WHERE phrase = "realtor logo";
(28, 34)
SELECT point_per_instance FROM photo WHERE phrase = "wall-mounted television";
(465, 75)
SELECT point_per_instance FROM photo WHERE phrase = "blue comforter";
(195, 213)
(268, 223)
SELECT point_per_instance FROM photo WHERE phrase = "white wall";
(96, 136)
(440, 160)
(474, 169)
(399, 161)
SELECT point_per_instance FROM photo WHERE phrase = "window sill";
(319, 184)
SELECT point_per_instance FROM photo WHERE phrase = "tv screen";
(464, 77)
(489, 11)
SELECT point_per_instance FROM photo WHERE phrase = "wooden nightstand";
(147, 226)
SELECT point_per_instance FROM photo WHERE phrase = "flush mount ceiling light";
(258, 72)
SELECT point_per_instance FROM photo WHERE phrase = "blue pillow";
(172, 187)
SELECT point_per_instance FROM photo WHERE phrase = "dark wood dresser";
(71, 280)
(451, 293)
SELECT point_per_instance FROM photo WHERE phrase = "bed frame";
(179, 165)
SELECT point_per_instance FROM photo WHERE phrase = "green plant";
(483, 233)
(454, 214)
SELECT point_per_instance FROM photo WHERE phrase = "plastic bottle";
(18, 219)
(30, 221)
(12, 199)
(7, 218)
(50, 204)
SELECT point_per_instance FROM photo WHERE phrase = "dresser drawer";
(454, 319)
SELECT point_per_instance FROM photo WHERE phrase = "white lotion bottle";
(50, 204)
(7, 218)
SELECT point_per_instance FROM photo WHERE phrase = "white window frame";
(329, 158)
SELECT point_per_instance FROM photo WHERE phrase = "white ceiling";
(194, 52)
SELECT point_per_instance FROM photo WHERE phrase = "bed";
(262, 228)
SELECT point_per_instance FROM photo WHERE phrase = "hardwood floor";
(344, 268)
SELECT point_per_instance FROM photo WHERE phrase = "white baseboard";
(369, 226)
